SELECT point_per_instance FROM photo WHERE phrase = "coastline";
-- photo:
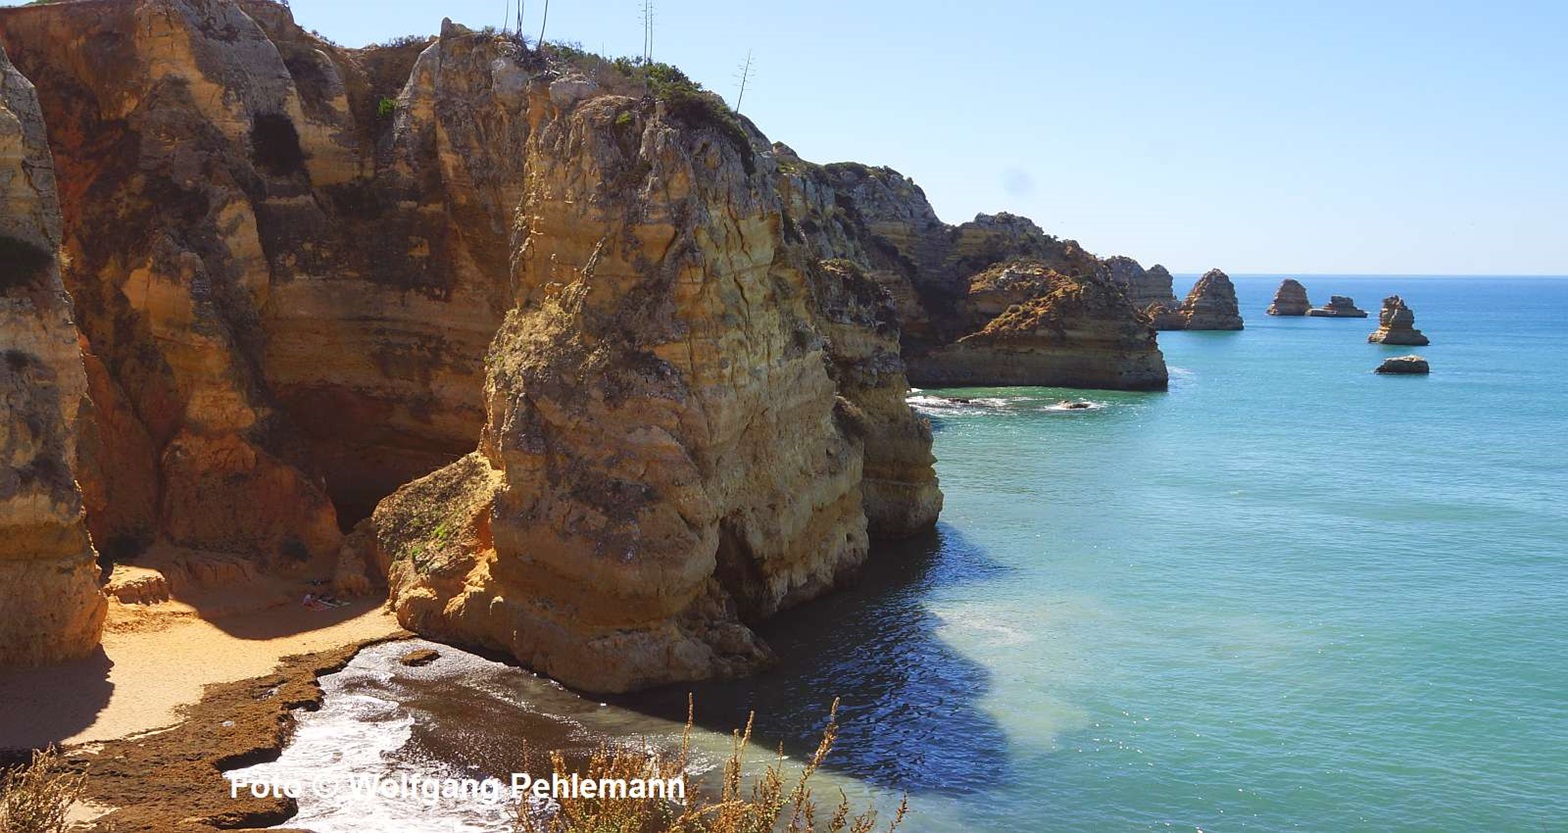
(156, 730)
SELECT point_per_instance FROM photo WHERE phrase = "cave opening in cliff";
(275, 144)
(21, 263)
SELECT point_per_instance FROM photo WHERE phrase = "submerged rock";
(51, 608)
(1290, 299)
(1405, 365)
(1396, 325)
(1338, 306)
(1211, 305)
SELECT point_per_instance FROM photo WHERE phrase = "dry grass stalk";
(773, 804)
(36, 798)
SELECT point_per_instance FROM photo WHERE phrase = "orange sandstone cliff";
(50, 606)
(589, 372)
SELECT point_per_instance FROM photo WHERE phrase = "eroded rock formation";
(1290, 299)
(617, 378)
(50, 606)
(1338, 306)
(950, 284)
(1211, 305)
(1151, 290)
(1041, 327)
(1397, 325)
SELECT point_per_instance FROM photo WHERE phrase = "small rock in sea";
(1397, 325)
(960, 400)
(421, 657)
(1405, 365)
(1077, 406)
(1291, 299)
(1338, 306)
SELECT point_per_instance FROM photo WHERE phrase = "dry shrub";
(774, 804)
(36, 798)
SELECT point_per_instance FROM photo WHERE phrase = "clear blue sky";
(1315, 137)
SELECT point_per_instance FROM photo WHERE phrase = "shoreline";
(172, 700)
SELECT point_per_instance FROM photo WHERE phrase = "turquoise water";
(1286, 595)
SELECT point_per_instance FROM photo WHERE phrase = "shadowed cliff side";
(50, 607)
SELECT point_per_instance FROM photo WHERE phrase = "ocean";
(1288, 594)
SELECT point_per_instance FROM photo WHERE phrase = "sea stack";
(1396, 325)
(1405, 366)
(1338, 306)
(1211, 305)
(1291, 299)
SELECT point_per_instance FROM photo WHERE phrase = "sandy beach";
(156, 660)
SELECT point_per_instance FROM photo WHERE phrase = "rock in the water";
(51, 609)
(1405, 365)
(1211, 305)
(1338, 306)
(419, 658)
(1396, 325)
(1290, 299)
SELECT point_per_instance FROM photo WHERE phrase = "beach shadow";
(910, 716)
(292, 619)
(45, 705)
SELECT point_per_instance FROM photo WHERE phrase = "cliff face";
(1211, 305)
(50, 605)
(943, 282)
(633, 413)
(286, 302)
(682, 407)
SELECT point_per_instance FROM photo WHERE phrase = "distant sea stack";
(1338, 306)
(1405, 366)
(1211, 305)
(1396, 325)
(1291, 299)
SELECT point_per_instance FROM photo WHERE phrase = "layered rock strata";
(1211, 305)
(1397, 325)
(1151, 290)
(51, 608)
(1290, 299)
(1045, 328)
(943, 280)
(618, 378)
(1338, 306)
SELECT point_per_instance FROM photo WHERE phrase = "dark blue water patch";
(909, 709)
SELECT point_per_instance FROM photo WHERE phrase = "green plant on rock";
(386, 108)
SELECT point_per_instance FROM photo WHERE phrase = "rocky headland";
(1397, 325)
(559, 351)
(1338, 306)
(1290, 299)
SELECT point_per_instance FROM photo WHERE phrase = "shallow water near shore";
(1287, 595)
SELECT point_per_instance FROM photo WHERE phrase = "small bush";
(773, 803)
(386, 107)
(36, 798)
